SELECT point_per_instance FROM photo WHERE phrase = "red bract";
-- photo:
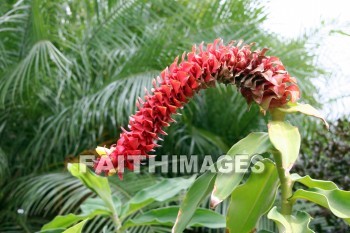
(259, 78)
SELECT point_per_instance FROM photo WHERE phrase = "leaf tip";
(214, 200)
(326, 124)
(173, 230)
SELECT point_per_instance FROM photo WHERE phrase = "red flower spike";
(258, 77)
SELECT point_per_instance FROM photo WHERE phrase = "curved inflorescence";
(261, 79)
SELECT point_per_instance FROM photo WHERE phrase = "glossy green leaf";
(312, 183)
(167, 217)
(291, 223)
(252, 199)
(77, 228)
(97, 184)
(336, 200)
(286, 139)
(159, 192)
(305, 109)
(227, 180)
(195, 195)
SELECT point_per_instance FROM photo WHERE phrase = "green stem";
(284, 175)
(277, 115)
(286, 185)
(115, 217)
(117, 222)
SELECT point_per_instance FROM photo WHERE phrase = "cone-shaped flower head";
(261, 79)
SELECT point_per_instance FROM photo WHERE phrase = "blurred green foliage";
(327, 157)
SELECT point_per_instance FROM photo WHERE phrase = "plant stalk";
(117, 222)
(115, 217)
(286, 185)
(284, 175)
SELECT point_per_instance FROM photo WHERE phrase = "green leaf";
(312, 183)
(290, 223)
(305, 109)
(63, 221)
(96, 203)
(97, 184)
(91, 204)
(324, 193)
(167, 217)
(252, 199)
(226, 182)
(56, 230)
(286, 139)
(336, 200)
(195, 195)
(90, 208)
(159, 192)
(68, 220)
(76, 228)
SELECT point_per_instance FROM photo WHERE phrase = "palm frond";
(36, 62)
(4, 171)
(102, 108)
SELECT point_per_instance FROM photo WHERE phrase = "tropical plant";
(70, 72)
(261, 79)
